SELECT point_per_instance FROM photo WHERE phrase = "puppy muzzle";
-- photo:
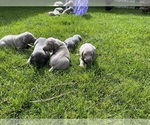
(45, 48)
(88, 61)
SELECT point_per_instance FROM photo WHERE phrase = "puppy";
(58, 3)
(87, 54)
(68, 11)
(52, 13)
(18, 42)
(60, 55)
(56, 12)
(59, 9)
(38, 57)
(72, 42)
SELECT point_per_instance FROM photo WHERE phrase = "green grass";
(117, 86)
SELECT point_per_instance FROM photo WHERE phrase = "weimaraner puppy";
(39, 57)
(59, 9)
(60, 57)
(72, 42)
(56, 12)
(87, 54)
(18, 42)
(58, 3)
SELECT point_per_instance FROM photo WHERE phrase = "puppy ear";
(31, 59)
(24, 40)
(47, 56)
(94, 52)
(56, 46)
(30, 37)
(23, 43)
(82, 56)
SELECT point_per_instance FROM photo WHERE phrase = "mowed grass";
(117, 86)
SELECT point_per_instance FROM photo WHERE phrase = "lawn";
(117, 86)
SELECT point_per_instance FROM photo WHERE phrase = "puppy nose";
(44, 48)
(88, 60)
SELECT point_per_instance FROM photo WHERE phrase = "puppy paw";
(81, 65)
(51, 69)
(29, 45)
(28, 62)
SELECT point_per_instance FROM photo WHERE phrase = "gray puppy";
(59, 9)
(87, 54)
(72, 42)
(56, 12)
(60, 55)
(39, 57)
(58, 3)
(18, 42)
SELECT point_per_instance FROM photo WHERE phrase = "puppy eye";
(91, 54)
(48, 43)
(24, 43)
(85, 54)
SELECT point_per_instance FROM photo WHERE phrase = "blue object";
(80, 7)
